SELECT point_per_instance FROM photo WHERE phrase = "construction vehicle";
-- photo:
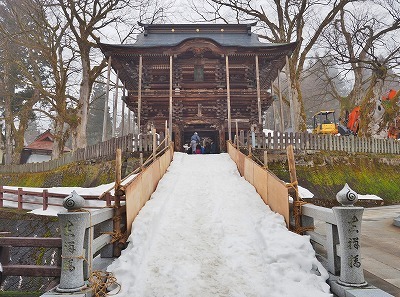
(351, 123)
(324, 122)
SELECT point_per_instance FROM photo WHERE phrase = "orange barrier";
(271, 189)
(139, 190)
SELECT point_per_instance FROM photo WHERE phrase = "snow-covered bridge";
(206, 232)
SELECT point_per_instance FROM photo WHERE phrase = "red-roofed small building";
(40, 149)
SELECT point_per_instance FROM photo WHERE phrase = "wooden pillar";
(139, 94)
(258, 91)
(133, 123)
(170, 97)
(178, 138)
(123, 113)
(228, 98)
(292, 104)
(166, 134)
(222, 140)
(281, 104)
(274, 107)
(104, 135)
(129, 122)
(115, 107)
(237, 135)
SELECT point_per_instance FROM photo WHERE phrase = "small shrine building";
(198, 77)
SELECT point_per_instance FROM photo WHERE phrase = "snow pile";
(369, 197)
(206, 232)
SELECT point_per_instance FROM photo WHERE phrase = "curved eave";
(124, 49)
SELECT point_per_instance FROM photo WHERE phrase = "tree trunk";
(84, 96)
(300, 115)
(58, 144)
(19, 143)
(8, 91)
(8, 128)
(372, 112)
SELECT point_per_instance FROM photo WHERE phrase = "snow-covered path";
(206, 232)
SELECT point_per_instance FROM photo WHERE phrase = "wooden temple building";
(206, 78)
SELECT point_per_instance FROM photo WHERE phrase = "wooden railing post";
(45, 197)
(1, 196)
(117, 202)
(154, 143)
(265, 159)
(108, 199)
(20, 193)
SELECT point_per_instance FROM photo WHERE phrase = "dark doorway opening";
(207, 134)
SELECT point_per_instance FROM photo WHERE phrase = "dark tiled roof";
(155, 35)
(222, 38)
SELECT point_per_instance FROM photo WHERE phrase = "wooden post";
(104, 136)
(129, 129)
(153, 131)
(265, 159)
(20, 193)
(45, 198)
(1, 196)
(166, 134)
(108, 199)
(141, 160)
(258, 91)
(117, 202)
(139, 94)
(123, 113)
(170, 96)
(293, 184)
(281, 104)
(237, 135)
(292, 104)
(228, 98)
(118, 166)
(291, 161)
(115, 107)
(274, 107)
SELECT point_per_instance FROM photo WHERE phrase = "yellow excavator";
(324, 122)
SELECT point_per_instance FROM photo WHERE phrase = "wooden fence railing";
(272, 190)
(46, 198)
(308, 141)
(129, 143)
(10, 269)
(94, 243)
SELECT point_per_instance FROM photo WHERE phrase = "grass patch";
(19, 294)
(365, 174)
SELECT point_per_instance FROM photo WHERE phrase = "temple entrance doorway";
(205, 132)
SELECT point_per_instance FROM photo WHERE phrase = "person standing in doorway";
(194, 141)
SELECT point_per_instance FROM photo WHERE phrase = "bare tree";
(322, 87)
(19, 97)
(362, 42)
(89, 20)
(282, 21)
(44, 69)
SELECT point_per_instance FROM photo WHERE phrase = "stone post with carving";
(73, 225)
(349, 219)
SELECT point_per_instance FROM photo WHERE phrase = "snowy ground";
(206, 232)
